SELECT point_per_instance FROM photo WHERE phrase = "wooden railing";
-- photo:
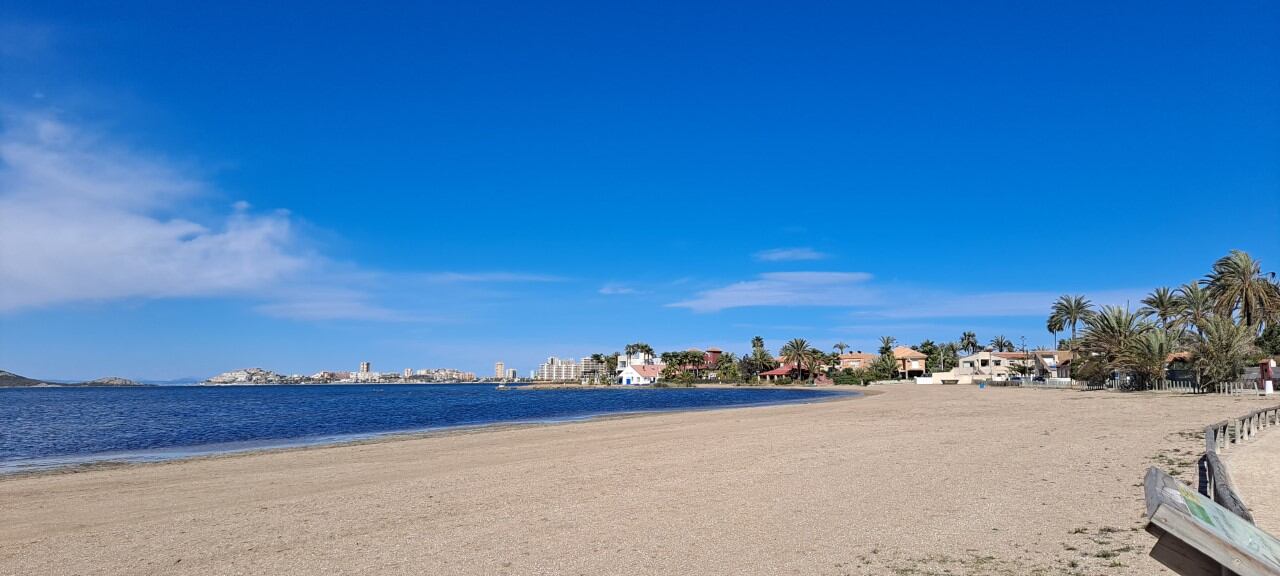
(1214, 480)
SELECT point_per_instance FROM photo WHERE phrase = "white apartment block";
(555, 369)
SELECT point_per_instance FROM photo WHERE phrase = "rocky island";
(11, 380)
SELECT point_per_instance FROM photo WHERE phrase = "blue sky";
(186, 190)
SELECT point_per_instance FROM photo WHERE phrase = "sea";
(42, 428)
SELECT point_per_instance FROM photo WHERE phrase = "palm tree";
(1111, 333)
(1222, 349)
(886, 344)
(799, 353)
(841, 346)
(1001, 344)
(969, 342)
(1237, 284)
(757, 342)
(638, 348)
(1148, 354)
(1162, 304)
(1195, 304)
(1054, 325)
(1070, 311)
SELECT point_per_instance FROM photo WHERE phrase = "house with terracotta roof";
(640, 374)
(856, 360)
(911, 363)
(785, 371)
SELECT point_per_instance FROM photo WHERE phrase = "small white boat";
(503, 386)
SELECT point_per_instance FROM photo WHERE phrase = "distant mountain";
(11, 380)
(110, 381)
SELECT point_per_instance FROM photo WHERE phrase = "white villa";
(640, 374)
(638, 369)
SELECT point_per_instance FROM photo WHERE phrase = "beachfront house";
(640, 374)
(786, 371)
(911, 363)
(986, 365)
(856, 360)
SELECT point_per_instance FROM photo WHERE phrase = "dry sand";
(1255, 473)
(919, 480)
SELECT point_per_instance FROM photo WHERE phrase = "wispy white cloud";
(789, 255)
(867, 299)
(909, 303)
(787, 289)
(487, 277)
(81, 219)
(615, 289)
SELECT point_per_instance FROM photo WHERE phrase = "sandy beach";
(917, 480)
(1255, 472)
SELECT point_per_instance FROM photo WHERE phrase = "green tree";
(758, 361)
(1195, 304)
(1148, 354)
(1164, 305)
(799, 353)
(969, 342)
(639, 348)
(1070, 311)
(840, 347)
(932, 353)
(1236, 285)
(1111, 334)
(1269, 341)
(1001, 344)
(727, 368)
(1055, 325)
(885, 366)
(1223, 348)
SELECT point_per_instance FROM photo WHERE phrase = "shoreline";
(140, 458)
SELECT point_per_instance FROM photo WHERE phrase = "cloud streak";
(787, 289)
(789, 255)
(614, 289)
(857, 291)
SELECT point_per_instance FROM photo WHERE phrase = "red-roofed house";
(784, 371)
(640, 374)
(856, 360)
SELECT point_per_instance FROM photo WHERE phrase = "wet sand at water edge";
(917, 480)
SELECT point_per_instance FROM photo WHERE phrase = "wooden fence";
(1220, 436)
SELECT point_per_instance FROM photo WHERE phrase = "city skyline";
(451, 184)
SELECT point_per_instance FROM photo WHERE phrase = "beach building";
(499, 370)
(911, 363)
(640, 374)
(625, 360)
(856, 360)
(783, 372)
(593, 370)
(557, 370)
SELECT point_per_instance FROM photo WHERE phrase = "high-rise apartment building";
(557, 370)
(499, 370)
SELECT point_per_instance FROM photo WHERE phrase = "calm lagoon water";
(50, 427)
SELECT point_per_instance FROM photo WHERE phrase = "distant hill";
(11, 380)
(110, 381)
